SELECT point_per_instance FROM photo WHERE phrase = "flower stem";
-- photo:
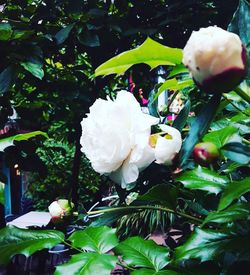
(243, 94)
(178, 213)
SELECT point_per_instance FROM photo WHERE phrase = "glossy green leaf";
(220, 137)
(144, 271)
(5, 31)
(237, 152)
(6, 79)
(34, 67)
(232, 213)
(2, 193)
(141, 253)
(182, 117)
(203, 179)
(9, 141)
(88, 264)
(150, 52)
(233, 191)
(199, 128)
(208, 244)
(63, 34)
(97, 239)
(162, 194)
(15, 241)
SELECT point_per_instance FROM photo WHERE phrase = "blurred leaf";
(96, 239)
(199, 127)
(2, 193)
(150, 52)
(178, 69)
(15, 241)
(233, 191)
(240, 25)
(208, 244)
(63, 34)
(182, 117)
(88, 264)
(237, 152)
(6, 79)
(6, 142)
(89, 39)
(144, 271)
(5, 31)
(35, 67)
(152, 104)
(232, 213)
(141, 253)
(220, 137)
(109, 218)
(203, 179)
(174, 85)
(162, 193)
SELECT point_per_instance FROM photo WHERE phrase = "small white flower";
(216, 59)
(167, 144)
(115, 138)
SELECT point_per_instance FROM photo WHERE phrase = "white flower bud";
(167, 144)
(215, 58)
(59, 209)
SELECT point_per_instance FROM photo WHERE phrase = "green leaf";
(35, 67)
(5, 31)
(15, 241)
(240, 25)
(89, 39)
(208, 244)
(6, 79)
(233, 191)
(178, 69)
(141, 253)
(174, 85)
(203, 179)
(144, 271)
(150, 52)
(2, 193)
(232, 213)
(63, 34)
(182, 117)
(97, 239)
(199, 127)
(9, 141)
(237, 152)
(88, 264)
(163, 194)
(222, 136)
(152, 104)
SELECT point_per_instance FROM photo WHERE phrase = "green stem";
(164, 209)
(70, 245)
(246, 141)
(243, 94)
(126, 266)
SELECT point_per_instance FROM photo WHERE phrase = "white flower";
(167, 144)
(115, 138)
(60, 208)
(216, 59)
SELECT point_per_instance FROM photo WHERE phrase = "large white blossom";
(115, 138)
(216, 58)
